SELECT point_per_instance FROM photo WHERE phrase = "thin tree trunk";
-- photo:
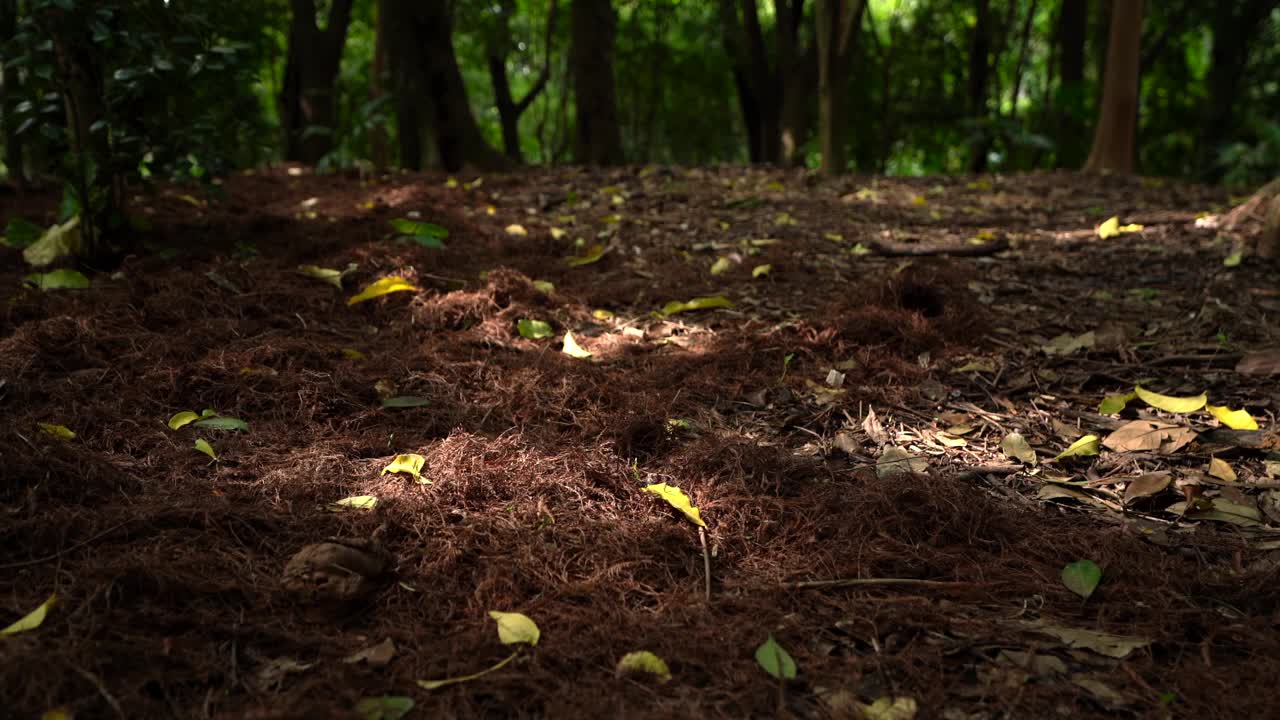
(979, 71)
(498, 47)
(1113, 139)
(838, 22)
(378, 140)
(599, 138)
(1070, 37)
(307, 108)
(1235, 26)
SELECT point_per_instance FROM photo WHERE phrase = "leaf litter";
(538, 459)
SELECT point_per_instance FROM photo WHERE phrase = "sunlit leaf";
(1015, 446)
(1221, 469)
(1111, 227)
(602, 314)
(31, 620)
(58, 431)
(890, 708)
(1084, 447)
(410, 463)
(328, 275)
(1181, 405)
(591, 255)
(515, 628)
(761, 270)
(60, 279)
(405, 401)
(424, 233)
(1082, 577)
(533, 329)
(1233, 260)
(544, 286)
(644, 662)
(355, 502)
(219, 422)
(775, 659)
(721, 265)
(698, 303)
(676, 498)
(57, 242)
(386, 707)
(378, 288)
(183, 418)
(1114, 404)
(1234, 419)
(21, 233)
(572, 348)
(203, 446)
(517, 230)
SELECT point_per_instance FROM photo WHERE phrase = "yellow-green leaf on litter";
(533, 329)
(517, 230)
(1085, 446)
(592, 254)
(410, 463)
(676, 498)
(890, 708)
(353, 354)
(355, 502)
(1015, 446)
(56, 242)
(775, 660)
(329, 275)
(1111, 227)
(761, 270)
(58, 713)
(378, 288)
(544, 286)
(515, 628)
(1221, 469)
(602, 314)
(1234, 419)
(643, 661)
(31, 620)
(183, 418)
(1113, 404)
(59, 431)
(433, 684)
(1181, 405)
(698, 303)
(1233, 260)
(203, 446)
(721, 265)
(60, 279)
(572, 348)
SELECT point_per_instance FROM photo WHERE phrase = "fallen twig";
(859, 582)
(706, 562)
(895, 249)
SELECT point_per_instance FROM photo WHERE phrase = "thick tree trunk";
(979, 72)
(598, 139)
(1070, 36)
(307, 107)
(1235, 26)
(1113, 138)
(838, 22)
(433, 98)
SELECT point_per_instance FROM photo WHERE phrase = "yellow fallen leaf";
(31, 620)
(1168, 403)
(355, 502)
(592, 255)
(353, 354)
(1109, 228)
(643, 661)
(1221, 469)
(410, 463)
(721, 265)
(761, 270)
(517, 230)
(544, 286)
(886, 708)
(328, 275)
(1234, 419)
(676, 498)
(699, 303)
(557, 233)
(183, 418)
(381, 287)
(1085, 446)
(602, 314)
(572, 348)
(59, 431)
(515, 628)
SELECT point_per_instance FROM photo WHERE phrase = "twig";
(860, 582)
(896, 249)
(706, 563)
(60, 553)
(102, 689)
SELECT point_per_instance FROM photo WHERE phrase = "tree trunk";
(979, 72)
(433, 98)
(497, 48)
(307, 107)
(1070, 36)
(1113, 138)
(838, 22)
(8, 85)
(378, 151)
(1235, 25)
(599, 138)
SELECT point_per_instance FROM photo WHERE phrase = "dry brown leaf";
(1146, 486)
(1149, 436)
(1221, 469)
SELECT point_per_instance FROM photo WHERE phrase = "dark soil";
(169, 568)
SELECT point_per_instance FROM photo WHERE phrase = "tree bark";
(979, 73)
(1070, 36)
(598, 139)
(307, 108)
(432, 97)
(838, 23)
(1113, 138)
(378, 151)
(497, 48)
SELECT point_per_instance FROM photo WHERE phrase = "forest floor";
(934, 592)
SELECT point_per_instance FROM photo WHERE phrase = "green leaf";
(183, 418)
(676, 498)
(61, 279)
(56, 242)
(355, 502)
(897, 461)
(203, 446)
(378, 288)
(405, 401)
(515, 628)
(1168, 403)
(642, 662)
(386, 707)
(1113, 404)
(1233, 260)
(21, 233)
(219, 422)
(533, 329)
(698, 303)
(424, 233)
(761, 270)
(890, 708)
(572, 348)
(433, 684)
(31, 620)
(58, 431)
(1082, 577)
(775, 660)
(410, 463)
(592, 255)
(544, 286)
(1084, 447)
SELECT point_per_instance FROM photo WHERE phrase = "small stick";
(706, 562)
(858, 582)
